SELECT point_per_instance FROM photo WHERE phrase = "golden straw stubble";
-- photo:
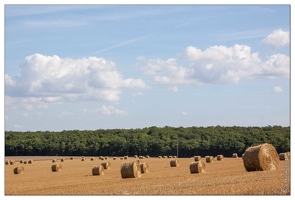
(130, 170)
(19, 170)
(97, 170)
(197, 167)
(56, 167)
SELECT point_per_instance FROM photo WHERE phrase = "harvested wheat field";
(228, 177)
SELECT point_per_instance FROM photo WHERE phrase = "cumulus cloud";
(277, 89)
(173, 89)
(277, 38)
(51, 79)
(111, 110)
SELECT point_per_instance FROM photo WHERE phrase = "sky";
(91, 67)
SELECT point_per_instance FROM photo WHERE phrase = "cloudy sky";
(132, 66)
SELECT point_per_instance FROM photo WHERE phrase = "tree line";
(153, 141)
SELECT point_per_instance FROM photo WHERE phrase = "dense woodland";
(153, 141)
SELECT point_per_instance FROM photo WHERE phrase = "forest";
(152, 141)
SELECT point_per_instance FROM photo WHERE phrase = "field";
(226, 177)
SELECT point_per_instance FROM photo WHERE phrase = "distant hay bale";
(114, 158)
(125, 157)
(106, 165)
(130, 170)
(209, 159)
(92, 159)
(100, 157)
(174, 156)
(25, 162)
(263, 157)
(83, 159)
(62, 160)
(72, 158)
(147, 156)
(285, 155)
(235, 155)
(174, 163)
(106, 157)
(170, 157)
(165, 156)
(140, 157)
(21, 161)
(19, 170)
(53, 160)
(197, 167)
(160, 157)
(197, 158)
(144, 167)
(30, 161)
(6, 162)
(11, 162)
(56, 167)
(121, 158)
(220, 157)
(97, 170)
(135, 156)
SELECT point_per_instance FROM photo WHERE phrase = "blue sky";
(133, 66)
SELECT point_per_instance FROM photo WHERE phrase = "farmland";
(226, 177)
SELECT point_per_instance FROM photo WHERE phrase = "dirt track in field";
(226, 177)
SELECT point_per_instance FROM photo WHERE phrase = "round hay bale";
(92, 159)
(144, 167)
(174, 163)
(97, 170)
(114, 158)
(25, 162)
(19, 170)
(106, 157)
(174, 156)
(165, 156)
(6, 162)
(170, 157)
(121, 158)
(160, 157)
(284, 156)
(106, 165)
(21, 161)
(83, 159)
(72, 158)
(197, 158)
(11, 162)
(125, 157)
(147, 156)
(140, 157)
(56, 167)
(209, 159)
(197, 167)
(62, 160)
(53, 160)
(135, 156)
(30, 161)
(263, 157)
(235, 155)
(130, 170)
(220, 157)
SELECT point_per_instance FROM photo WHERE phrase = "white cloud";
(277, 89)
(51, 79)
(184, 113)
(111, 110)
(25, 114)
(277, 38)
(17, 126)
(173, 89)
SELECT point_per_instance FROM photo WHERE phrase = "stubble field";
(226, 177)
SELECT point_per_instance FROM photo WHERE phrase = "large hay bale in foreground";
(98, 170)
(235, 155)
(106, 165)
(209, 159)
(263, 157)
(197, 167)
(130, 170)
(220, 157)
(19, 170)
(56, 167)
(174, 163)
(197, 158)
(144, 167)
